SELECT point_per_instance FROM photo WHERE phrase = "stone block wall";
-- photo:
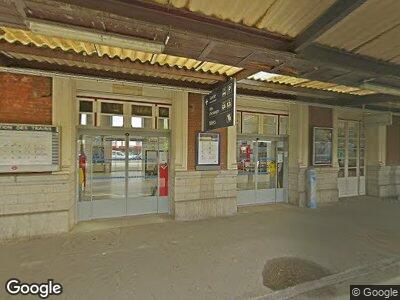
(35, 205)
(202, 194)
(327, 185)
(383, 181)
(297, 186)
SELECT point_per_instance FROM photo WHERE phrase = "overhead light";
(263, 76)
(93, 36)
(380, 88)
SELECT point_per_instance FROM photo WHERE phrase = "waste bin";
(311, 188)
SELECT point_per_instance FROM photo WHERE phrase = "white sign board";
(208, 148)
(28, 148)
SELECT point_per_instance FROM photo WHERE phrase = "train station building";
(102, 108)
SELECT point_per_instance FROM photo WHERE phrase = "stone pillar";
(179, 129)
(65, 116)
(199, 194)
(298, 152)
(383, 165)
(178, 143)
(231, 148)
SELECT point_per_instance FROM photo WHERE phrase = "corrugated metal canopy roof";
(155, 74)
(13, 35)
(373, 30)
(302, 82)
(285, 17)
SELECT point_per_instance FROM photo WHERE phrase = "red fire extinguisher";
(82, 170)
(248, 153)
(163, 189)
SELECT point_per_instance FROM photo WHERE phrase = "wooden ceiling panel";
(9, 14)
(99, 20)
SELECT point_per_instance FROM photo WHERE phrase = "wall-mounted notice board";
(29, 148)
(208, 151)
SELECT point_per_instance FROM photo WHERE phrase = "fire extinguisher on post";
(82, 171)
(163, 171)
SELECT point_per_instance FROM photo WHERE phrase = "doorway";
(262, 174)
(351, 158)
(121, 175)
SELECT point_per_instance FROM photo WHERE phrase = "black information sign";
(219, 106)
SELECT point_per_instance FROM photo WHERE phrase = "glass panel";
(266, 165)
(341, 173)
(246, 165)
(270, 124)
(112, 108)
(142, 175)
(341, 142)
(352, 172)
(362, 153)
(341, 162)
(163, 112)
(238, 122)
(112, 121)
(362, 162)
(142, 122)
(163, 123)
(85, 106)
(353, 130)
(361, 171)
(283, 124)
(352, 162)
(341, 131)
(85, 119)
(143, 110)
(352, 148)
(108, 159)
(362, 143)
(250, 123)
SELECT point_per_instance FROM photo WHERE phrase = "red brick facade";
(25, 99)
(194, 126)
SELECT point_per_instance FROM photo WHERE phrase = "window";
(86, 115)
(270, 124)
(112, 114)
(261, 123)
(142, 116)
(250, 123)
(283, 125)
(163, 117)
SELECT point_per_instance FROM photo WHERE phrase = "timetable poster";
(208, 149)
(28, 148)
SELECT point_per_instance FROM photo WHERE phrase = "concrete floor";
(220, 258)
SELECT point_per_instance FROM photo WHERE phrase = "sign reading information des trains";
(219, 106)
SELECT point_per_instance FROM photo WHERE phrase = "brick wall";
(25, 99)
(194, 126)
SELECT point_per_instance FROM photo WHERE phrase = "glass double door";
(122, 175)
(351, 158)
(261, 171)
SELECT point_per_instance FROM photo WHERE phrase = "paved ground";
(219, 258)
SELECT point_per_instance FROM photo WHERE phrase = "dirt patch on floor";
(283, 272)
